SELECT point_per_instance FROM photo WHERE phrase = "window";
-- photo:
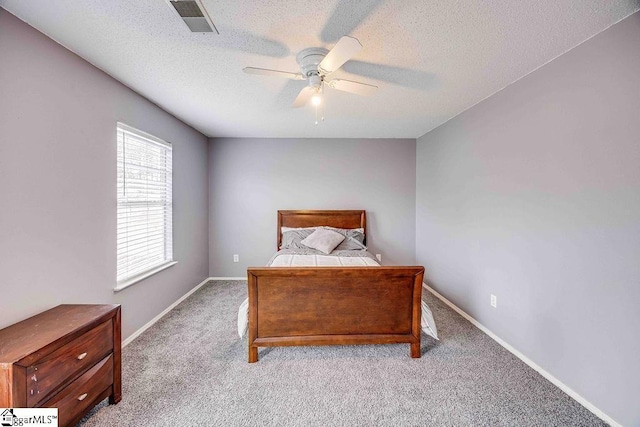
(145, 241)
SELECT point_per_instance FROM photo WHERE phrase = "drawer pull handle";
(82, 356)
(82, 396)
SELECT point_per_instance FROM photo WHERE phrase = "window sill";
(129, 282)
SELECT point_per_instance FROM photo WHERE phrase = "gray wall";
(58, 119)
(251, 179)
(534, 195)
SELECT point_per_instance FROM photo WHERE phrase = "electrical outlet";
(236, 258)
(494, 301)
(379, 257)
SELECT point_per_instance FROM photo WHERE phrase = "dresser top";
(35, 333)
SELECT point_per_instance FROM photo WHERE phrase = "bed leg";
(253, 354)
(415, 350)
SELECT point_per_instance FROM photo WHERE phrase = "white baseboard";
(150, 323)
(228, 278)
(581, 400)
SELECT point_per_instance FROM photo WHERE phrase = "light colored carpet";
(190, 369)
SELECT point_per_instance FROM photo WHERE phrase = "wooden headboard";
(316, 218)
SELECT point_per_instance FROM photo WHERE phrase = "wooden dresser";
(66, 358)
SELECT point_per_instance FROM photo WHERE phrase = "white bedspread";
(300, 260)
(312, 260)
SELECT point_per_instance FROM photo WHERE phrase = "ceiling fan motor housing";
(309, 59)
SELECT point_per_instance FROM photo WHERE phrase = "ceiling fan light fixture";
(316, 99)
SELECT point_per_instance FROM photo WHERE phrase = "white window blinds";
(144, 204)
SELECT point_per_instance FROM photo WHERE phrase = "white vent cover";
(194, 15)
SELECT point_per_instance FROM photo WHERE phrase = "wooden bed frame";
(299, 306)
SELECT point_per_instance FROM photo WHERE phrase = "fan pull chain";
(322, 103)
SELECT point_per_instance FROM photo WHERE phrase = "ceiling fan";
(316, 64)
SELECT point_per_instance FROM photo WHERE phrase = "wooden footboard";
(333, 306)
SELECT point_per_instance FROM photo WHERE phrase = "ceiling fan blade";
(346, 48)
(303, 97)
(352, 87)
(267, 72)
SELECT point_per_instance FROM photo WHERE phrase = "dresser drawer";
(81, 393)
(49, 373)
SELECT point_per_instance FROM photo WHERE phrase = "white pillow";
(285, 229)
(323, 240)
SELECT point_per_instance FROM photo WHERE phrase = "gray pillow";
(354, 239)
(324, 240)
(292, 239)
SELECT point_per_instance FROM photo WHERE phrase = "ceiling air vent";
(194, 15)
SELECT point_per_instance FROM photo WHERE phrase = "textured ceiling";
(431, 59)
